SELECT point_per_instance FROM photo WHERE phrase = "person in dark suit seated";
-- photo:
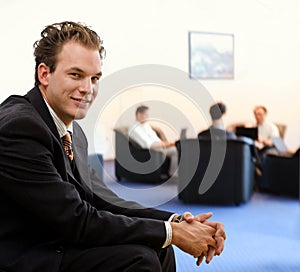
(216, 131)
(56, 214)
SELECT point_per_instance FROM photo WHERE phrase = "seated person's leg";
(172, 153)
(118, 258)
(167, 259)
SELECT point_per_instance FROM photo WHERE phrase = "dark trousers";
(119, 258)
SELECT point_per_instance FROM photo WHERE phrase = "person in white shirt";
(144, 135)
(266, 129)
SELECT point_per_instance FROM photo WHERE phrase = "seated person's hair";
(261, 107)
(217, 110)
(141, 109)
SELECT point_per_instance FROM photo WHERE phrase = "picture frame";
(211, 55)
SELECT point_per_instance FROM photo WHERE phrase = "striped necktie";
(67, 143)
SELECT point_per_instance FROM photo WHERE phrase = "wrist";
(174, 227)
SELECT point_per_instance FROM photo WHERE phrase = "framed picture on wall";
(211, 55)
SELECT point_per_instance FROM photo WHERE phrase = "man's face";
(72, 87)
(259, 115)
(142, 117)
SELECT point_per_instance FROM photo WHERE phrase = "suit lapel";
(80, 159)
(80, 171)
(36, 99)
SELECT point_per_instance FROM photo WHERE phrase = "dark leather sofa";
(226, 167)
(134, 163)
(281, 174)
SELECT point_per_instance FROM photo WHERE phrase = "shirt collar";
(60, 125)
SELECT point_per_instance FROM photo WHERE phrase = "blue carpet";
(262, 235)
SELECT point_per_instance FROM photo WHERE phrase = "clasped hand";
(199, 237)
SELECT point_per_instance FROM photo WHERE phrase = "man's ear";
(43, 74)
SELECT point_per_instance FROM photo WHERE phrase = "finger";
(219, 228)
(211, 242)
(220, 245)
(187, 216)
(200, 259)
(210, 254)
(203, 217)
(212, 231)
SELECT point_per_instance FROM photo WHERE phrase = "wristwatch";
(179, 219)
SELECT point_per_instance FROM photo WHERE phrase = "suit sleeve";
(104, 198)
(29, 177)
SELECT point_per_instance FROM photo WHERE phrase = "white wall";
(137, 32)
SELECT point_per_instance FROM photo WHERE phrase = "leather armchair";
(137, 164)
(226, 164)
(281, 174)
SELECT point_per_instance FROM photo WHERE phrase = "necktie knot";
(67, 143)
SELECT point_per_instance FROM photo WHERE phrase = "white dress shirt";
(267, 130)
(143, 134)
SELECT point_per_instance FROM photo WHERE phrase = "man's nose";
(86, 86)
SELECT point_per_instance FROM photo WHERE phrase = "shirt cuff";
(168, 234)
(171, 217)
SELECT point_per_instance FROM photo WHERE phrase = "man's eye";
(75, 75)
(95, 79)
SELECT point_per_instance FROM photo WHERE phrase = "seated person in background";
(264, 143)
(216, 130)
(143, 134)
(266, 129)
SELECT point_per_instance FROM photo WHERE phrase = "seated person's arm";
(162, 144)
(267, 142)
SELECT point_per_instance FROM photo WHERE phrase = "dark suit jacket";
(216, 134)
(44, 209)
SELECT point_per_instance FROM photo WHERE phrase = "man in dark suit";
(52, 219)
(216, 131)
